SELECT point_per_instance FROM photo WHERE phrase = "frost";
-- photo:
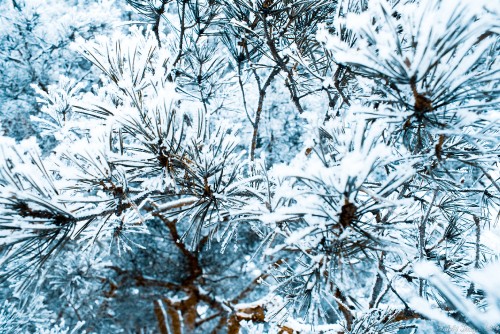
(249, 167)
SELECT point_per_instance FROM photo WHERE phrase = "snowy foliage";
(35, 39)
(252, 167)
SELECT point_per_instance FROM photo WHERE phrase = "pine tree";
(263, 167)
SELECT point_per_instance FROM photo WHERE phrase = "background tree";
(35, 38)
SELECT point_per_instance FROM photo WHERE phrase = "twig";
(281, 62)
(183, 30)
(161, 316)
(240, 82)
(421, 239)
(377, 286)
(156, 25)
(262, 95)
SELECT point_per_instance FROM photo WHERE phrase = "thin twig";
(156, 25)
(281, 62)
(262, 95)
(183, 31)
(421, 239)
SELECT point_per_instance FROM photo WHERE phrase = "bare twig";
(281, 62)
(182, 32)
(262, 95)
(156, 25)
(421, 239)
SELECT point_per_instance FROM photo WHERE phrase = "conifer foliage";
(277, 166)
